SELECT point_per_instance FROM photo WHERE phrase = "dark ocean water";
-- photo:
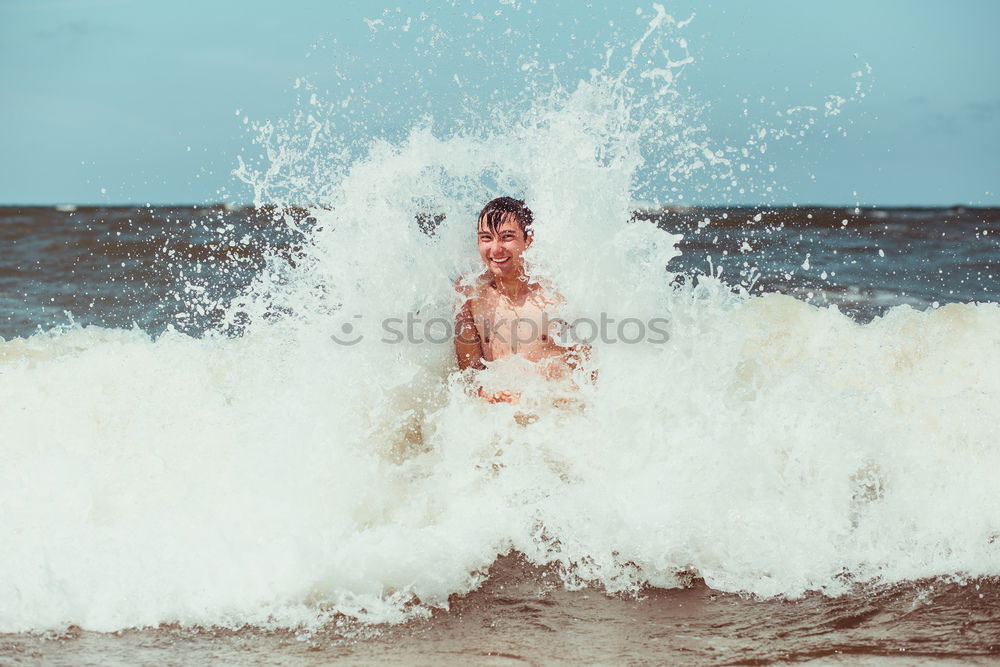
(138, 266)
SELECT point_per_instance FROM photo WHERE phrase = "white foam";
(279, 477)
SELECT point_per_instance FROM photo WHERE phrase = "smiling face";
(502, 248)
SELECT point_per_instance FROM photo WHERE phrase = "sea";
(803, 471)
(237, 434)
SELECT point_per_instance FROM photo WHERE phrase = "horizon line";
(638, 205)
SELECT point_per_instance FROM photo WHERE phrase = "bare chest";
(507, 329)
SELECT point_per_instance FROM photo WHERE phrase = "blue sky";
(115, 101)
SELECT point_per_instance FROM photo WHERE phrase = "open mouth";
(501, 261)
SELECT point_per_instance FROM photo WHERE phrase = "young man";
(505, 312)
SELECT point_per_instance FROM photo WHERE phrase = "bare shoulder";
(480, 289)
(547, 296)
(463, 286)
(474, 292)
(471, 287)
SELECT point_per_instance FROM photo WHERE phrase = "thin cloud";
(983, 111)
(940, 123)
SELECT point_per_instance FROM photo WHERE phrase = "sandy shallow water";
(524, 615)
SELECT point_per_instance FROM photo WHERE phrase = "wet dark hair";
(494, 213)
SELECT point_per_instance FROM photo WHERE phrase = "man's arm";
(576, 355)
(468, 347)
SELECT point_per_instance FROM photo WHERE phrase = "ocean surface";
(177, 489)
(124, 267)
(238, 435)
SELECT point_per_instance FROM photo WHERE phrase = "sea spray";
(293, 465)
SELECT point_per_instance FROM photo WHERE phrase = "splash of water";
(307, 468)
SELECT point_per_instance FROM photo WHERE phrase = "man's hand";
(500, 396)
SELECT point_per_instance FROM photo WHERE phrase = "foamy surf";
(770, 447)
(283, 474)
